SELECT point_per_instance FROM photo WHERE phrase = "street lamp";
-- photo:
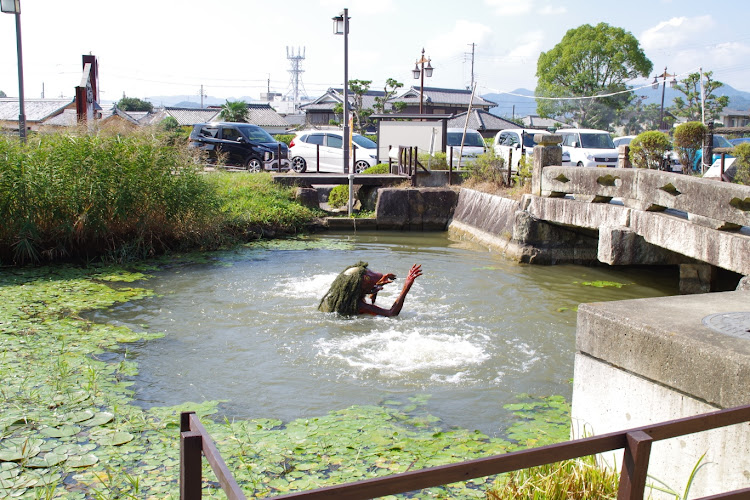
(655, 85)
(341, 27)
(14, 7)
(420, 71)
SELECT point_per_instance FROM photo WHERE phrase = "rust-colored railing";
(635, 442)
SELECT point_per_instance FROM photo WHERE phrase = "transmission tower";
(296, 87)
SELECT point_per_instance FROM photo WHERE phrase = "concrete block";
(577, 213)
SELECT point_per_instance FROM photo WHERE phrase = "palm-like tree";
(234, 111)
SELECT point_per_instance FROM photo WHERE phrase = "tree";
(234, 111)
(389, 91)
(134, 104)
(690, 106)
(361, 114)
(647, 149)
(688, 139)
(589, 61)
(637, 117)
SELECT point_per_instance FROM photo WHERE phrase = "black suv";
(241, 144)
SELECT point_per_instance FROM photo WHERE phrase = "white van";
(473, 145)
(589, 147)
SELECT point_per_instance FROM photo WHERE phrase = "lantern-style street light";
(420, 71)
(341, 27)
(655, 86)
(14, 7)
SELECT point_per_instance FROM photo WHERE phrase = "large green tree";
(589, 61)
(234, 111)
(134, 104)
(690, 106)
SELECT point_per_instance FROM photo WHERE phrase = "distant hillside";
(513, 105)
(192, 101)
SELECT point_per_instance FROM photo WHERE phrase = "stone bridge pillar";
(547, 152)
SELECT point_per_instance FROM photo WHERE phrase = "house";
(482, 121)
(735, 118)
(320, 112)
(441, 101)
(37, 111)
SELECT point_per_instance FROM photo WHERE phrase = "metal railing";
(636, 444)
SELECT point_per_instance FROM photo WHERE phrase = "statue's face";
(370, 282)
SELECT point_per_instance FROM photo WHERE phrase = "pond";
(476, 329)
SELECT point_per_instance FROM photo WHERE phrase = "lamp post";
(14, 7)
(341, 27)
(655, 85)
(420, 71)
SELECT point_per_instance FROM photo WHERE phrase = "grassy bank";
(87, 197)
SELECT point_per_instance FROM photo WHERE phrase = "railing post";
(317, 158)
(191, 446)
(634, 466)
(278, 157)
(510, 163)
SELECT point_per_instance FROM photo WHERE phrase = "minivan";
(589, 147)
(241, 144)
(473, 144)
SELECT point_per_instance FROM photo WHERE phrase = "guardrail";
(636, 444)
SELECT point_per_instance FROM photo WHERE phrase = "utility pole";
(202, 96)
(473, 45)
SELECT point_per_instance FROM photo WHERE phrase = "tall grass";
(81, 196)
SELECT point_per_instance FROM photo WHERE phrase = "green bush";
(285, 138)
(742, 154)
(488, 167)
(339, 196)
(380, 168)
(688, 139)
(647, 149)
(438, 161)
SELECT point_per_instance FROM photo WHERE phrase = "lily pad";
(61, 432)
(82, 461)
(101, 418)
(115, 438)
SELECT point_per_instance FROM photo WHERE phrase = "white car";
(473, 145)
(304, 151)
(517, 143)
(589, 147)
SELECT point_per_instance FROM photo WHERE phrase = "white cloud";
(676, 32)
(510, 7)
(454, 42)
(550, 10)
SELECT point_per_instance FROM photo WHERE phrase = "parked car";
(473, 145)
(589, 147)
(719, 141)
(304, 151)
(517, 143)
(737, 142)
(241, 143)
(622, 141)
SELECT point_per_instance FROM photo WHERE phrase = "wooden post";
(317, 158)
(191, 446)
(278, 157)
(634, 466)
(510, 162)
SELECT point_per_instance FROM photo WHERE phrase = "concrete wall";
(645, 361)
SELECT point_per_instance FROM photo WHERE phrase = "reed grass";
(80, 196)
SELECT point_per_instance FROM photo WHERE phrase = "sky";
(239, 48)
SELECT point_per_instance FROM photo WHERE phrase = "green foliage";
(361, 114)
(690, 106)
(83, 197)
(339, 196)
(380, 168)
(525, 167)
(134, 104)
(234, 111)
(285, 138)
(169, 124)
(389, 91)
(688, 139)
(742, 154)
(437, 161)
(647, 149)
(637, 117)
(488, 167)
(589, 60)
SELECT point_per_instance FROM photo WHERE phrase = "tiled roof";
(332, 97)
(481, 120)
(68, 118)
(264, 115)
(36, 110)
(191, 116)
(438, 96)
